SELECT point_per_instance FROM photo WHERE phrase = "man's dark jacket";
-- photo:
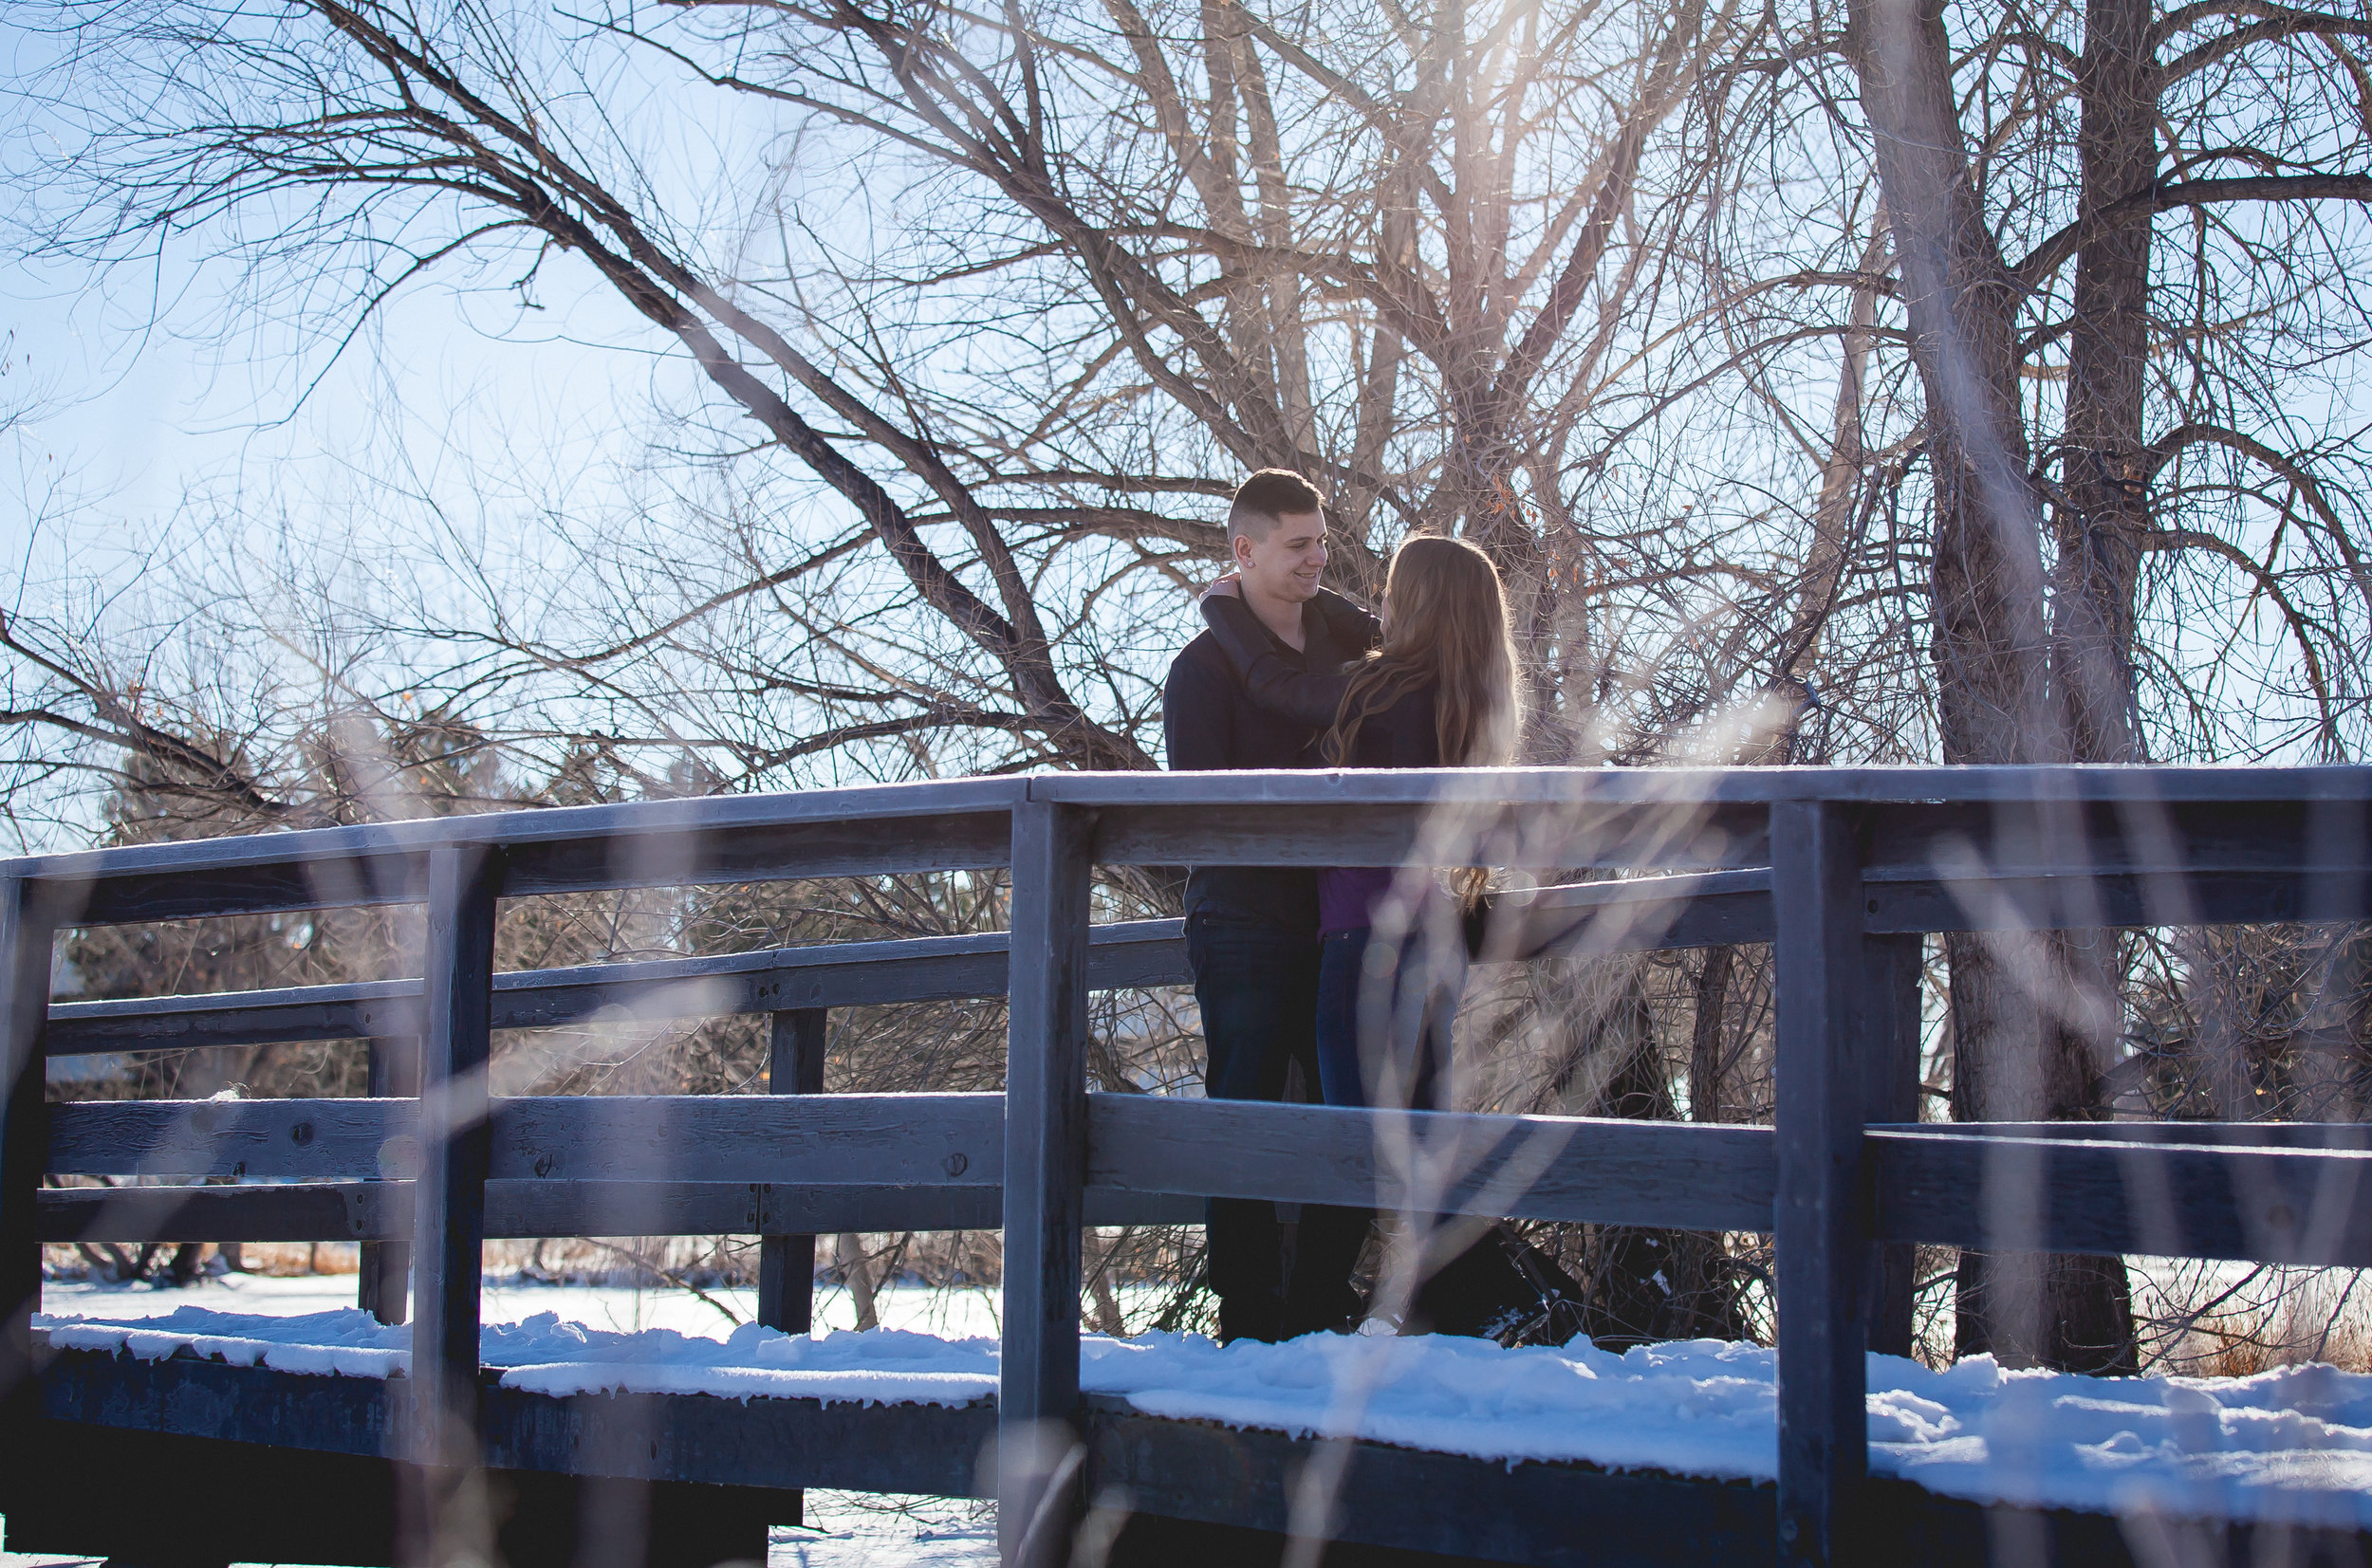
(1209, 723)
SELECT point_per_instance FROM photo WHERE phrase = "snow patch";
(2292, 1444)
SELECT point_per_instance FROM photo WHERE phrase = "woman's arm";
(1271, 678)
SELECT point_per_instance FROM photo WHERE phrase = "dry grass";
(2209, 1320)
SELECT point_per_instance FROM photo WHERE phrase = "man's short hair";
(1266, 497)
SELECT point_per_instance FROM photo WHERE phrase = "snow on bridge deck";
(2292, 1446)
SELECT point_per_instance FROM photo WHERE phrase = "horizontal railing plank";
(1641, 914)
(2245, 1134)
(1547, 1168)
(362, 1211)
(2014, 786)
(1320, 831)
(955, 824)
(1593, 918)
(2150, 822)
(634, 1165)
(1978, 1189)
(1133, 954)
(311, 1212)
(922, 1140)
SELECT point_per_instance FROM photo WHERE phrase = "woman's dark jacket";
(1405, 735)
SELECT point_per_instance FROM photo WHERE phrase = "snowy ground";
(950, 1314)
(2292, 1443)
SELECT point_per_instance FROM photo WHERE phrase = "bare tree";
(1881, 384)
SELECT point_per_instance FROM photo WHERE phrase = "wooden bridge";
(189, 1460)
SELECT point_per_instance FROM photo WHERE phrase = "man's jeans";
(1257, 986)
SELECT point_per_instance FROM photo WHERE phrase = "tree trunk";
(2012, 1059)
(2100, 529)
(849, 1248)
(1709, 1035)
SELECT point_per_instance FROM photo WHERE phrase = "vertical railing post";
(1045, 1157)
(26, 929)
(448, 1227)
(795, 1065)
(383, 1279)
(1890, 1092)
(1821, 1226)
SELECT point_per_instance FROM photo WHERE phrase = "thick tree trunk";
(2100, 529)
(1709, 1035)
(2014, 1057)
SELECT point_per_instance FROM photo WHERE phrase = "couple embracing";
(1339, 971)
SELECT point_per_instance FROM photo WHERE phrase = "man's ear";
(1239, 546)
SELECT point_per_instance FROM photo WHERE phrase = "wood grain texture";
(1980, 898)
(454, 1141)
(817, 1162)
(1133, 954)
(921, 1140)
(361, 1211)
(382, 1282)
(2004, 785)
(812, 833)
(795, 1044)
(2283, 828)
(961, 822)
(308, 1211)
(1607, 1169)
(386, 1008)
(1045, 1169)
(2121, 1196)
(1889, 1018)
(902, 1140)
(1821, 1238)
(657, 857)
(1322, 832)
(2237, 1134)
(24, 958)
(1636, 914)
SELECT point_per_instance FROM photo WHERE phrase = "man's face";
(1287, 564)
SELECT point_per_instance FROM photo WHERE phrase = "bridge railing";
(1844, 870)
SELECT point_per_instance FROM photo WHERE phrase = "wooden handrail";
(926, 968)
(1841, 869)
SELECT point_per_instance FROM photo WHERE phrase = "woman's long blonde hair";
(1448, 631)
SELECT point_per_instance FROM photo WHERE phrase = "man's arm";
(1273, 681)
(1198, 729)
(1353, 629)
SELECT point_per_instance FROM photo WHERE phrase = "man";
(1251, 931)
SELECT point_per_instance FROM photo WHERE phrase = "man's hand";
(1230, 586)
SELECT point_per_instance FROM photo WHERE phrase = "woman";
(1440, 691)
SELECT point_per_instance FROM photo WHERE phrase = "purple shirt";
(1348, 897)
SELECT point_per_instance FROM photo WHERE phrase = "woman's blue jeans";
(1384, 1016)
(1384, 1012)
